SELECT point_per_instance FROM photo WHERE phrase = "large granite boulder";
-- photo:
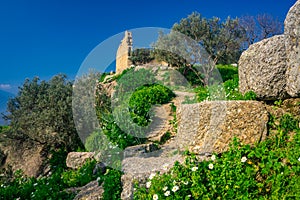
(210, 126)
(271, 67)
(292, 34)
(262, 69)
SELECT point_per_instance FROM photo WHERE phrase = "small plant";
(278, 103)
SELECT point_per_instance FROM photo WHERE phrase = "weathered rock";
(292, 34)
(211, 126)
(91, 191)
(138, 169)
(28, 156)
(99, 168)
(76, 160)
(139, 150)
(262, 69)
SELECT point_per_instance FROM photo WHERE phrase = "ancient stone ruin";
(123, 53)
(271, 67)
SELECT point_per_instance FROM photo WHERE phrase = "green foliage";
(41, 109)
(269, 170)
(221, 39)
(55, 185)
(141, 56)
(80, 177)
(227, 72)
(192, 75)
(4, 128)
(226, 91)
(112, 184)
(55, 161)
(130, 80)
(23, 187)
(144, 97)
(103, 75)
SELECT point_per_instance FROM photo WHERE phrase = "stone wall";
(123, 53)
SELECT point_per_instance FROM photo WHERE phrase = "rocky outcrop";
(292, 33)
(271, 67)
(20, 155)
(210, 126)
(75, 160)
(264, 72)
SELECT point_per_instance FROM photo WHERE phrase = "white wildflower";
(155, 197)
(210, 166)
(148, 184)
(165, 188)
(167, 193)
(165, 167)
(175, 188)
(299, 159)
(151, 176)
(244, 159)
(35, 184)
(186, 183)
(194, 169)
(213, 158)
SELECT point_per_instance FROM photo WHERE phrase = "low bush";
(144, 98)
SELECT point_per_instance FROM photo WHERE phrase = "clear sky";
(46, 37)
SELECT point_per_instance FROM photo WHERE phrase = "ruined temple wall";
(123, 53)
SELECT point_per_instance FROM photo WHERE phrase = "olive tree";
(42, 112)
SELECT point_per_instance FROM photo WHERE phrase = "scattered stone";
(76, 160)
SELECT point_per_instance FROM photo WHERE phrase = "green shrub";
(227, 72)
(80, 177)
(112, 184)
(144, 97)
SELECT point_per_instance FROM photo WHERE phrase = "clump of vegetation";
(226, 91)
(144, 98)
(56, 185)
(40, 109)
(141, 56)
(269, 170)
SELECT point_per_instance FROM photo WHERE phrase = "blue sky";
(46, 37)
